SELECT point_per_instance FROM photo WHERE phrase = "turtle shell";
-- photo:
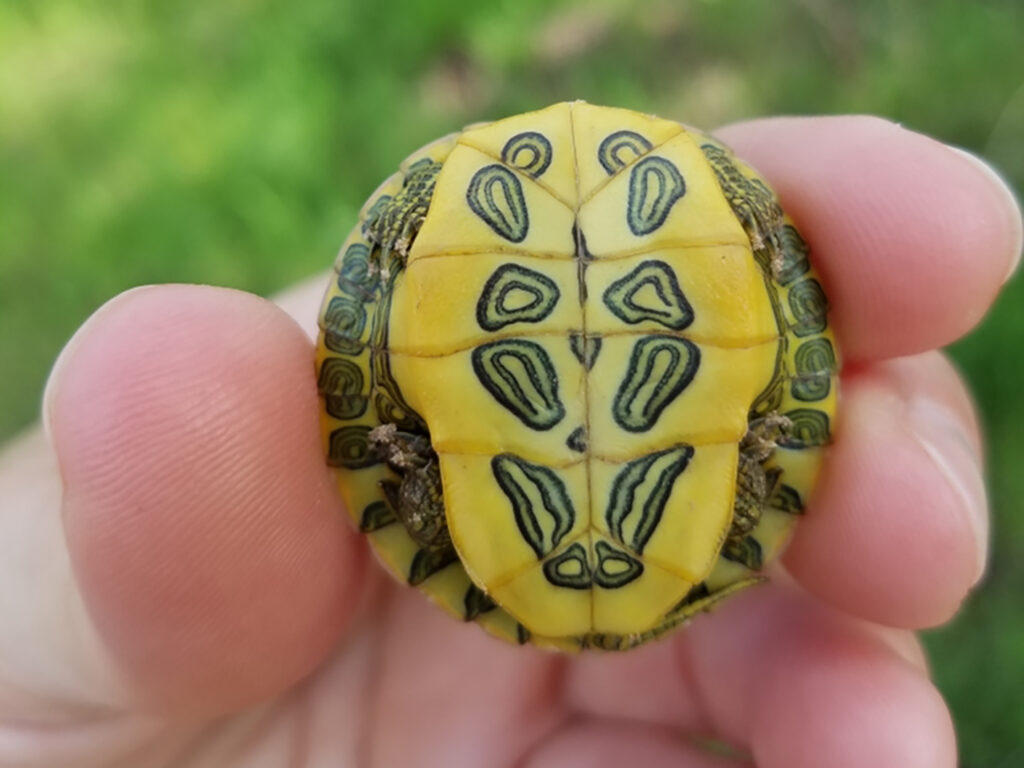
(608, 361)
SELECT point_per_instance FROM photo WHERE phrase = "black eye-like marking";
(585, 348)
(655, 184)
(671, 310)
(495, 309)
(615, 568)
(520, 375)
(644, 511)
(496, 196)
(612, 150)
(534, 146)
(642, 396)
(533, 489)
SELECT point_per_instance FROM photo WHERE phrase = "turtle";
(577, 375)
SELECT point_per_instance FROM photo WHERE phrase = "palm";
(229, 601)
(433, 692)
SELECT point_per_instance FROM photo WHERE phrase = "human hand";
(180, 586)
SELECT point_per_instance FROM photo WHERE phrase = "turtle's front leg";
(417, 499)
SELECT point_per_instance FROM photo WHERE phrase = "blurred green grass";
(232, 143)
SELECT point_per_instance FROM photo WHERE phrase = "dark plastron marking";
(427, 562)
(377, 515)
(531, 145)
(642, 396)
(495, 194)
(519, 374)
(585, 348)
(476, 602)
(583, 258)
(569, 568)
(671, 308)
(809, 307)
(615, 568)
(787, 499)
(522, 634)
(341, 382)
(577, 440)
(613, 150)
(534, 490)
(815, 361)
(497, 308)
(655, 184)
(643, 512)
(392, 223)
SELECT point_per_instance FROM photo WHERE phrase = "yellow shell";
(598, 317)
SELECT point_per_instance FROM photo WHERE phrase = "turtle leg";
(755, 485)
(417, 499)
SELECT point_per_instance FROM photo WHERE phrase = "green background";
(232, 143)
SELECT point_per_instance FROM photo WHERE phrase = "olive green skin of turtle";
(577, 375)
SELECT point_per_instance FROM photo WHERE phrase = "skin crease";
(199, 599)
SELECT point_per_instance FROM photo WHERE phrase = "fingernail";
(940, 433)
(1009, 203)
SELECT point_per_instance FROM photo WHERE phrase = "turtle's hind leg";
(755, 485)
(417, 499)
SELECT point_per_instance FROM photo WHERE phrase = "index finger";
(912, 238)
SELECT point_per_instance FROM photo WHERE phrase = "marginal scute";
(350, 448)
(806, 301)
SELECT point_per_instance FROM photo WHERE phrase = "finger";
(595, 743)
(459, 696)
(53, 666)
(302, 302)
(800, 685)
(897, 529)
(202, 523)
(912, 239)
